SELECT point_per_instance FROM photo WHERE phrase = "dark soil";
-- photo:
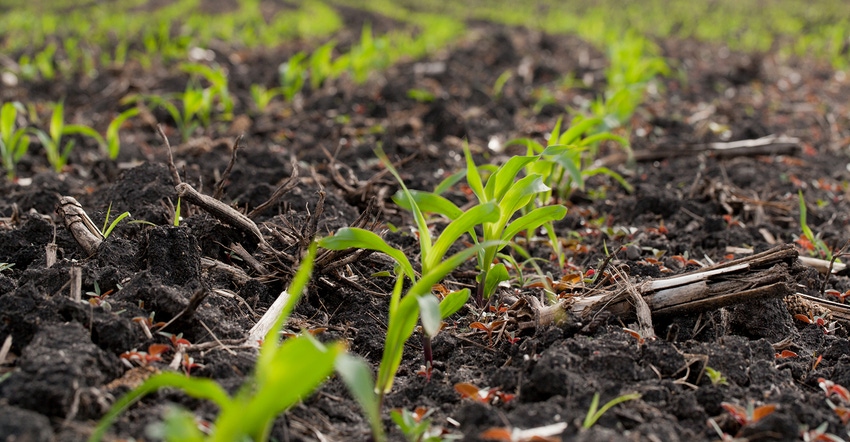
(64, 369)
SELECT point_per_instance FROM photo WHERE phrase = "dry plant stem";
(50, 254)
(171, 167)
(838, 310)
(252, 262)
(236, 273)
(823, 266)
(284, 187)
(219, 210)
(841, 252)
(769, 145)
(261, 328)
(4, 350)
(76, 274)
(642, 310)
(763, 275)
(219, 187)
(76, 220)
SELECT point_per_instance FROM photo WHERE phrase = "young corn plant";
(594, 412)
(13, 142)
(292, 75)
(58, 149)
(417, 302)
(511, 194)
(281, 378)
(113, 142)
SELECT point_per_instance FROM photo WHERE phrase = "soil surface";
(64, 368)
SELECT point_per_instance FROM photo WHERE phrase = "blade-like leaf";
(533, 220)
(7, 121)
(356, 238)
(57, 122)
(495, 275)
(500, 182)
(573, 134)
(484, 213)
(195, 387)
(112, 131)
(358, 378)
(449, 181)
(428, 203)
(473, 178)
(520, 194)
(429, 311)
(453, 302)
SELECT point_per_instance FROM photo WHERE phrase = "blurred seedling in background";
(416, 426)
(14, 142)
(57, 148)
(812, 244)
(594, 412)
(715, 376)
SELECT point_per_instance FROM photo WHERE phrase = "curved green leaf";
(195, 387)
(494, 276)
(574, 133)
(533, 220)
(478, 215)
(358, 378)
(356, 238)
(503, 180)
(473, 178)
(453, 302)
(520, 194)
(428, 203)
(429, 311)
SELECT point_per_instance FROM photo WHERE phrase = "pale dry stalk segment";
(761, 276)
(77, 222)
(219, 210)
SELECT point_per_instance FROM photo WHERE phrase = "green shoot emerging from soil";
(280, 380)
(14, 143)
(418, 301)
(594, 413)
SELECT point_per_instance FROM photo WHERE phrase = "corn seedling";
(280, 380)
(57, 151)
(13, 142)
(510, 194)
(418, 301)
(292, 75)
(816, 246)
(113, 143)
(321, 65)
(107, 226)
(566, 162)
(417, 426)
(594, 413)
(217, 78)
(715, 376)
(263, 96)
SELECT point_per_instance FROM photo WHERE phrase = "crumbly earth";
(64, 369)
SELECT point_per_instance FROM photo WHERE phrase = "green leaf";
(606, 171)
(428, 203)
(196, 387)
(520, 194)
(478, 215)
(403, 321)
(358, 378)
(574, 133)
(473, 178)
(449, 181)
(106, 232)
(556, 132)
(503, 180)
(494, 276)
(113, 142)
(421, 223)
(429, 311)
(533, 220)
(286, 381)
(8, 113)
(453, 302)
(356, 238)
(57, 122)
